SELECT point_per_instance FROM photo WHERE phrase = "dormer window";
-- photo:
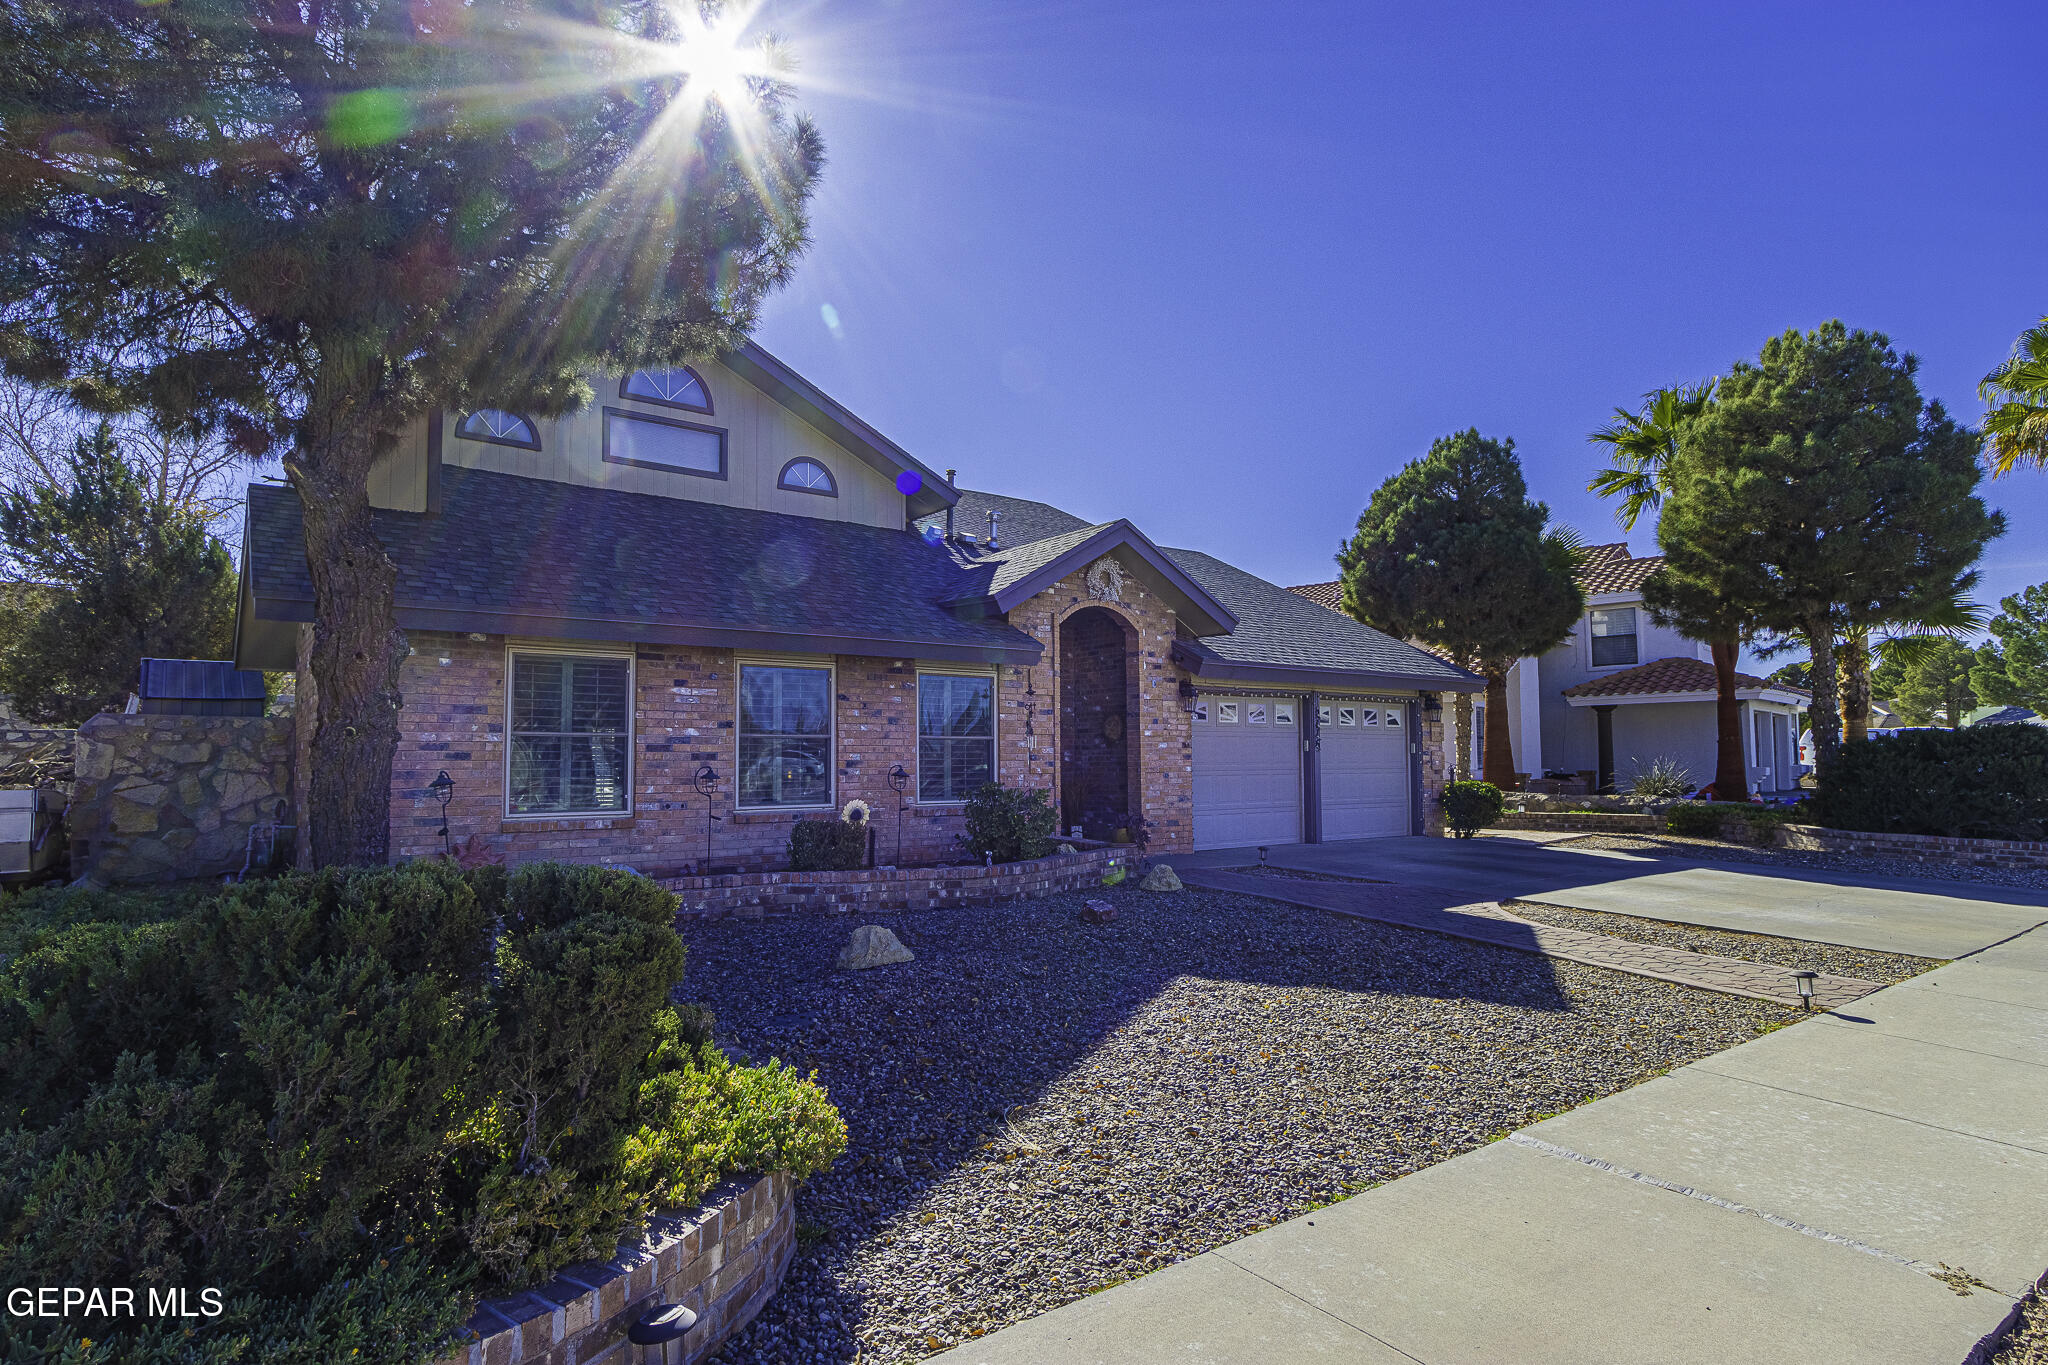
(682, 388)
(497, 427)
(1614, 635)
(807, 476)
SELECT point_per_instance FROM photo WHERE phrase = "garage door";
(1247, 771)
(1365, 770)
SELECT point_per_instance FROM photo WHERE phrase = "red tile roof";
(1657, 678)
(1329, 595)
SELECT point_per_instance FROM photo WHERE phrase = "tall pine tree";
(310, 224)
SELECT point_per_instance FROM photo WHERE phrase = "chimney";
(951, 474)
(992, 515)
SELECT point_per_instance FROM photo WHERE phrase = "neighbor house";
(1622, 692)
(660, 630)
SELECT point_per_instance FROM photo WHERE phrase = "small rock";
(1114, 877)
(873, 946)
(1067, 848)
(1160, 878)
(1098, 912)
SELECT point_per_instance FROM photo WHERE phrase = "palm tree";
(2017, 395)
(1643, 445)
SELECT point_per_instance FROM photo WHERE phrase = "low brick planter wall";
(909, 888)
(1931, 848)
(722, 1260)
(1583, 822)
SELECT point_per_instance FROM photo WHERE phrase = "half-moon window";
(498, 427)
(807, 476)
(671, 388)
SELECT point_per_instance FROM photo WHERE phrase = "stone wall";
(2018, 854)
(912, 888)
(722, 1260)
(1436, 759)
(165, 798)
(1584, 822)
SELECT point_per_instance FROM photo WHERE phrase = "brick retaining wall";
(723, 1260)
(1933, 848)
(910, 888)
(1584, 822)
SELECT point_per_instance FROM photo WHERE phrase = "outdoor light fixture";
(1804, 981)
(660, 1332)
(1262, 855)
(1187, 695)
(898, 781)
(443, 789)
(707, 785)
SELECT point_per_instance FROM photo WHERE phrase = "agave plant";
(1662, 778)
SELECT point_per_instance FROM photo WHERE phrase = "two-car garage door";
(1248, 781)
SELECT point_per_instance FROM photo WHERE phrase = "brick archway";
(1100, 721)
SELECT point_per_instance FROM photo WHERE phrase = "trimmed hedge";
(1709, 819)
(1010, 824)
(829, 845)
(1983, 782)
(1471, 806)
(354, 1099)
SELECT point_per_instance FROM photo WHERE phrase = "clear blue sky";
(1222, 269)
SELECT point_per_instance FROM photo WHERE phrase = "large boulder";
(872, 946)
(1160, 878)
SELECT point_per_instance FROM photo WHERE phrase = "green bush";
(1983, 782)
(829, 845)
(1012, 823)
(1471, 806)
(353, 1099)
(1710, 819)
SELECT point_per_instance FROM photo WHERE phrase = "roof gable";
(1002, 578)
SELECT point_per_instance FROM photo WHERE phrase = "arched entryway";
(1098, 684)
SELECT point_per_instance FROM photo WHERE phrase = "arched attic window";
(807, 476)
(682, 388)
(499, 428)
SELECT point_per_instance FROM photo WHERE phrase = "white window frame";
(1635, 635)
(1226, 713)
(815, 663)
(1283, 713)
(995, 749)
(1322, 715)
(546, 651)
(1255, 713)
(1365, 711)
(1201, 711)
(1394, 718)
(1347, 715)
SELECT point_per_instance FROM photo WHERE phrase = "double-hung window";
(570, 738)
(956, 735)
(785, 734)
(1614, 635)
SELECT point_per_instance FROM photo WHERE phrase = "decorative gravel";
(1040, 1108)
(2033, 879)
(1780, 952)
(1300, 874)
(2026, 1342)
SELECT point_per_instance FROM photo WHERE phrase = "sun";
(719, 63)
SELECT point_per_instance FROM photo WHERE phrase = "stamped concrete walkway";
(1868, 1187)
(1483, 922)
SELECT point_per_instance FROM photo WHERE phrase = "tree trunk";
(1855, 670)
(1827, 706)
(356, 653)
(1731, 772)
(1499, 763)
(1461, 742)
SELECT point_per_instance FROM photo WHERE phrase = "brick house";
(658, 631)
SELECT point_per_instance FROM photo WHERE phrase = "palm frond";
(2016, 396)
(1643, 445)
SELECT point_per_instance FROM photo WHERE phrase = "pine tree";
(116, 577)
(1452, 552)
(1819, 494)
(308, 225)
(2014, 672)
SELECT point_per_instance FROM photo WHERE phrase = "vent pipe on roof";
(951, 476)
(992, 515)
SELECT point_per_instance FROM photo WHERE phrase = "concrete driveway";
(1920, 916)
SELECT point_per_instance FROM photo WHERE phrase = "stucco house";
(660, 630)
(1623, 692)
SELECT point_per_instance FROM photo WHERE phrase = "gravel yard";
(1040, 1108)
(1782, 952)
(1864, 864)
(2027, 1341)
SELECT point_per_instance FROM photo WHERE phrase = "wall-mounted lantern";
(443, 790)
(1187, 695)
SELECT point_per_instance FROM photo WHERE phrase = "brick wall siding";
(755, 894)
(2017, 854)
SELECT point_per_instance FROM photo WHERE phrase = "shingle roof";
(1603, 568)
(990, 572)
(518, 555)
(1659, 677)
(1277, 628)
(1020, 520)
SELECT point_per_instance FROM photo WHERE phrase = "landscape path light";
(659, 1333)
(1804, 981)
(898, 781)
(443, 788)
(707, 785)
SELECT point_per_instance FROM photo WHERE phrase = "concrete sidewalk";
(1867, 1186)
